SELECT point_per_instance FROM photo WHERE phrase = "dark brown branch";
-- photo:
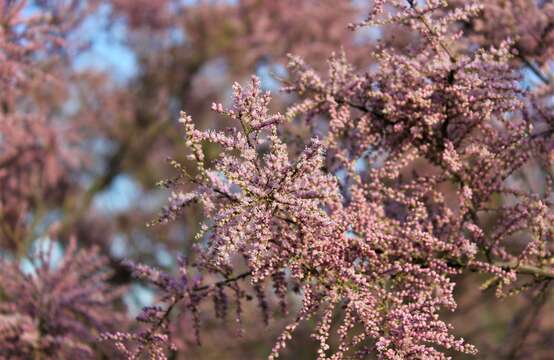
(181, 296)
(223, 282)
(533, 68)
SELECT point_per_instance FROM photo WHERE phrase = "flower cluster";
(351, 219)
(37, 152)
(529, 23)
(57, 310)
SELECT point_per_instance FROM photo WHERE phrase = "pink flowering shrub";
(58, 310)
(529, 23)
(37, 149)
(48, 310)
(366, 201)
(349, 219)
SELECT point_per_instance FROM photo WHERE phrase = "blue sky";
(108, 51)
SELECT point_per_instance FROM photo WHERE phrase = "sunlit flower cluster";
(350, 219)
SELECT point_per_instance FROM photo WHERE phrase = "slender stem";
(534, 68)
(527, 269)
(181, 296)
(433, 32)
(535, 312)
(223, 282)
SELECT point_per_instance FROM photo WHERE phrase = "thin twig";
(533, 68)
